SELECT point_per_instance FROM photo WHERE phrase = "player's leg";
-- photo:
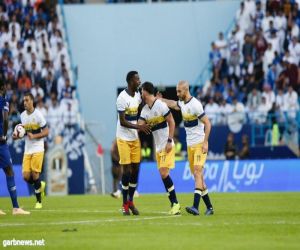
(205, 196)
(165, 162)
(200, 186)
(134, 174)
(135, 154)
(11, 187)
(197, 192)
(36, 169)
(116, 174)
(125, 161)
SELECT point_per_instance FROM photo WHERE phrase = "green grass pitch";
(241, 221)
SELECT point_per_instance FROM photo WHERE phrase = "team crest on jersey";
(189, 111)
(155, 113)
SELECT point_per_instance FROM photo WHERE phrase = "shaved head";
(184, 84)
(183, 90)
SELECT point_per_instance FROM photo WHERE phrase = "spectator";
(245, 151)
(269, 95)
(230, 149)
(211, 110)
(37, 91)
(24, 83)
(224, 110)
(253, 102)
(54, 117)
(40, 105)
(291, 102)
(262, 111)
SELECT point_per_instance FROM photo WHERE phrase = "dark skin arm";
(5, 124)
(142, 127)
(114, 152)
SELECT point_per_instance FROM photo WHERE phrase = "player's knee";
(164, 173)
(9, 171)
(198, 171)
(35, 176)
(26, 177)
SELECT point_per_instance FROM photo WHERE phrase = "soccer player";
(5, 158)
(157, 114)
(197, 127)
(128, 142)
(36, 130)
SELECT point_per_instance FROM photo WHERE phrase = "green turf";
(241, 221)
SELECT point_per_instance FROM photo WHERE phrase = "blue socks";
(11, 187)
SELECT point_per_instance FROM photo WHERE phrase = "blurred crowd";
(33, 57)
(255, 68)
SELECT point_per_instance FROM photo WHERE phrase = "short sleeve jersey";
(192, 111)
(155, 116)
(33, 123)
(130, 105)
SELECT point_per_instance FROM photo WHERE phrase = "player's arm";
(142, 127)
(171, 103)
(44, 133)
(207, 128)
(171, 123)
(114, 152)
(5, 124)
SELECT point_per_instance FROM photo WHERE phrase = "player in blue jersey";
(5, 158)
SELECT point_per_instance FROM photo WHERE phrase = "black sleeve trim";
(200, 116)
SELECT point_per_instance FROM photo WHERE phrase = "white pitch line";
(226, 223)
(91, 211)
(86, 221)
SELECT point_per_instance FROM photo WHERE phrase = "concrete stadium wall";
(165, 42)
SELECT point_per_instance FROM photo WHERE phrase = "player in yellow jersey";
(197, 127)
(157, 114)
(36, 130)
(128, 142)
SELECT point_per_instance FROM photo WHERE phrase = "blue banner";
(228, 176)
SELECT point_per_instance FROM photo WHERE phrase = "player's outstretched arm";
(207, 129)
(143, 126)
(171, 103)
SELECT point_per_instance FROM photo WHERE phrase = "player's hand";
(205, 147)
(168, 147)
(2, 139)
(30, 136)
(14, 136)
(145, 128)
(158, 95)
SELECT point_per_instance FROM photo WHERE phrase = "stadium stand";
(254, 72)
(34, 58)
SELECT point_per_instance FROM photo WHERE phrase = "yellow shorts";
(33, 162)
(195, 156)
(166, 160)
(129, 151)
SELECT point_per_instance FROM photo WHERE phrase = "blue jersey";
(3, 106)
(5, 159)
